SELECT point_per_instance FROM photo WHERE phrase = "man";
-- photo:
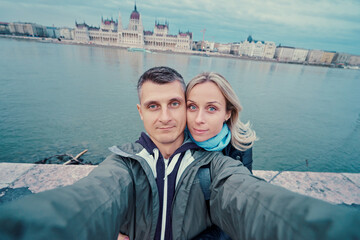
(150, 190)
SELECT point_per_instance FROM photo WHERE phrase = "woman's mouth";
(199, 131)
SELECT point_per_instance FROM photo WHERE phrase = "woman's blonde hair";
(242, 136)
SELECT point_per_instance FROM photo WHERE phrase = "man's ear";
(139, 110)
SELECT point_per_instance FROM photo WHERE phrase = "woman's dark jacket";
(244, 156)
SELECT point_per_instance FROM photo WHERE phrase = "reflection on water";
(57, 99)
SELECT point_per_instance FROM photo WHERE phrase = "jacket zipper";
(163, 220)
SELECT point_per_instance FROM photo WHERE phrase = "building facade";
(327, 57)
(314, 56)
(4, 28)
(341, 58)
(284, 54)
(257, 49)
(52, 32)
(112, 32)
(27, 29)
(160, 38)
(235, 48)
(269, 51)
(66, 33)
(247, 47)
(223, 48)
(299, 55)
(354, 60)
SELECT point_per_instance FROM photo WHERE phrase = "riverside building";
(314, 56)
(111, 32)
(284, 54)
(27, 29)
(257, 49)
(299, 55)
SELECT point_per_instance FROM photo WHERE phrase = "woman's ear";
(227, 115)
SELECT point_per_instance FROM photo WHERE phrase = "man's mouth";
(166, 128)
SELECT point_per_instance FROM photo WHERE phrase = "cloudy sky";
(332, 25)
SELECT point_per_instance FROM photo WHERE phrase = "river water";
(57, 99)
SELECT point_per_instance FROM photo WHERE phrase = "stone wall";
(19, 179)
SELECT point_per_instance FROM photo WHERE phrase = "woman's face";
(206, 111)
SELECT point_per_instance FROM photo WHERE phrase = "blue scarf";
(216, 143)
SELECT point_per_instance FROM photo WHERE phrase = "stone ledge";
(20, 179)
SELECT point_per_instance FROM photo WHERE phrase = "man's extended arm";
(248, 208)
(92, 208)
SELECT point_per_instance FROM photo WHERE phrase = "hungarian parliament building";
(112, 33)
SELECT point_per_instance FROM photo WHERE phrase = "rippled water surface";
(57, 99)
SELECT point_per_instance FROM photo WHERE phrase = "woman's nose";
(200, 117)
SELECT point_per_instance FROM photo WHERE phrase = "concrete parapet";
(19, 179)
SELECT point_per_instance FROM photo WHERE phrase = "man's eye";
(175, 104)
(152, 106)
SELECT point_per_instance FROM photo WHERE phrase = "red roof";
(109, 22)
(182, 34)
(135, 15)
(161, 26)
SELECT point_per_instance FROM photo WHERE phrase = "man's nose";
(165, 115)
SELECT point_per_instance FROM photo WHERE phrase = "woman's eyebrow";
(214, 102)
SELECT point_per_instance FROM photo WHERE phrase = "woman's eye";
(192, 107)
(211, 109)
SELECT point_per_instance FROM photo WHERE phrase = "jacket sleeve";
(247, 207)
(92, 208)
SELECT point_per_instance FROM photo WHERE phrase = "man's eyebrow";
(150, 102)
(176, 99)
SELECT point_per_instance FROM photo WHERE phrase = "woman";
(213, 118)
(213, 122)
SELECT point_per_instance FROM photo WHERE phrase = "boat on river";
(138, 50)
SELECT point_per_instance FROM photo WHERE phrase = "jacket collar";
(149, 145)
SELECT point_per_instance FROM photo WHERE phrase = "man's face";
(163, 111)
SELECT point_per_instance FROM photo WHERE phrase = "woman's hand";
(122, 237)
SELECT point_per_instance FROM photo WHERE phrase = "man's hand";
(122, 237)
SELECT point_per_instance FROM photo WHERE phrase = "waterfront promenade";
(19, 179)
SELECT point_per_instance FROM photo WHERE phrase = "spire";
(119, 23)
(135, 7)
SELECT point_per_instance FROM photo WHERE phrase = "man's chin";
(169, 139)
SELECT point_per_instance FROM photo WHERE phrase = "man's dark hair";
(160, 75)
